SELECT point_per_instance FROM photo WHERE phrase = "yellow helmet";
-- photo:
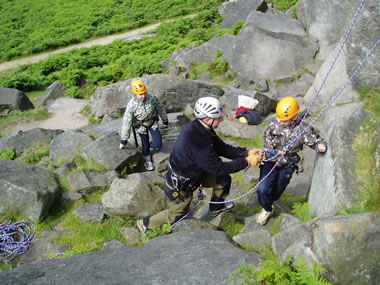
(138, 87)
(287, 108)
(243, 120)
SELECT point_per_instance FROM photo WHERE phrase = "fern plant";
(302, 211)
(272, 271)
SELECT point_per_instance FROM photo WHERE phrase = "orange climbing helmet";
(138, 87)
(287, 108)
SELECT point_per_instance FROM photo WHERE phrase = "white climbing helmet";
(208, 107)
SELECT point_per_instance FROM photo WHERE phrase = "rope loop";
(15, 238)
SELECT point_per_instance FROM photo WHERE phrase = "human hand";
(121, 146)
(165, 124)
(321, 147)
(254, 160)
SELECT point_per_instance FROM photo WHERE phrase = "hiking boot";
(142, 228)
(264, 216)
(227, 207)
(148, 163)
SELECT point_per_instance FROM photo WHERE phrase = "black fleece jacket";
(197, 151)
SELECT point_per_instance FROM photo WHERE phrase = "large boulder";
(24, 140)
(348, 247)
(105, 151)
(201, 257)
(173, 92)
(134, 196)
(334, 183)
(325, 20)
(233, 11)
(27, 189)
(333, 78)
(13, 99)
(54, 91)
(270, 46)
(67, 144)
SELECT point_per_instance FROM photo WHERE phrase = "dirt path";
(66, 116)
(101, 41)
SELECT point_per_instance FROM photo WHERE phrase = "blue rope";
(15, 238)
(296, 136)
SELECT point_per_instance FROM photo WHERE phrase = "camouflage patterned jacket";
(142, 115)
(277, 137)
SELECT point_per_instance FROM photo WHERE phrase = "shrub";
(8, 153)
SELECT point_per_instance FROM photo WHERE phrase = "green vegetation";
(233, 228)
(302, 211)
(8, 153)
(86, 111)
(18, 117)
(275, 228)
(155, 232)
(118, 61)
(235, 30)
(34, 154)
(41, 25)
(365, 145)
(272, 271)
(283, 4)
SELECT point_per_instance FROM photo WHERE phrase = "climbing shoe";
(142, 228)
(227, 207)
(148, 163)
(264, 216)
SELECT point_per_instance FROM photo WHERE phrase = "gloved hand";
(254, 159)
(253, 151)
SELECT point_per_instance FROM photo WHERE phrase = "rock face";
(148, 264)
(173, 92)
(290, 49)
(13, 99)
(347, 246)
(334, 183)
(54, 91)
(28, 189)
(24, 140)
(133, 197)
(317, 18)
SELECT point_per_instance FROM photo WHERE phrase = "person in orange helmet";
(142, 113)
(277, 136)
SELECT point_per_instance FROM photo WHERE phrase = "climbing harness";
(15, 238)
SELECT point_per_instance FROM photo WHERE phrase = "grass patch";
(290, 199)
(364, 146)
(283, 4)
(34, 96)
(86, 111)
(34, 154)
(233, 228)
(38, 114)
(86, 237)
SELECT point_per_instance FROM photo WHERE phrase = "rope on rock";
(298, 135)
(15, 238)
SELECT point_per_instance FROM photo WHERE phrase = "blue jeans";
(156, 141)
(274, 185)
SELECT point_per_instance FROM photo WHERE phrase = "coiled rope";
(15, 238)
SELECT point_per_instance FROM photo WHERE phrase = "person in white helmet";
(195, 160)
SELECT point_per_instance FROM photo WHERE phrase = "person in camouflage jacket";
(142, 113)
(277, 136)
